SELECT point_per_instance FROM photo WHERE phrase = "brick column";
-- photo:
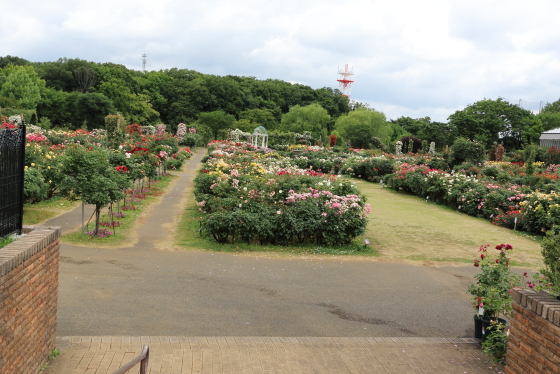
(28, 300)
(534, 334)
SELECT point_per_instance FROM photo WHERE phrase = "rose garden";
(299, 193)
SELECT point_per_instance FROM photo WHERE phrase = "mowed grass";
(405, 227)
(401, 228)
(36, 214)
(125, 234)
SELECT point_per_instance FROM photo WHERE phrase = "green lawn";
(406, 227)
(34, 214)
(401, 228)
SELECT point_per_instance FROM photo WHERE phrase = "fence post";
(22, 173)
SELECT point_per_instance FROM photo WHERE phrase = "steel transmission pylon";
(344, 80)
(144, 58)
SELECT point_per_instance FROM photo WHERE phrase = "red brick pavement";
(229, 355)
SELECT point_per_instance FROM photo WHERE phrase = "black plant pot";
(481, 327)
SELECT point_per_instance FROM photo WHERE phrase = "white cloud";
(418, 58)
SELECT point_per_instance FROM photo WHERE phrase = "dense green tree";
(136, 108)
(85, 77)
(360, 125)
(440, 133)
(21, 83)
(279, 96)
(492, 121)
(182, 74)
(58, 107)
(549, 119)
(110, 72)
(92, 108)
(245, 125)
(60, 74)
(8, 102)
(208, 93)
(333, 101)
(89, 176)
(398, 131)
(216, 121)
(410, 125)
(14, 60)
(313, 118)
(532, 132)
(170, 96)
(151, 84)
(553, 107)
(262, 117)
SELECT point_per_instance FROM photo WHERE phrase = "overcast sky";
(410, 57)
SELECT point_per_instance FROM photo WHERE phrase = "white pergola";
(260, 137)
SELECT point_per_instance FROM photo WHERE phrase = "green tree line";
(73, 93)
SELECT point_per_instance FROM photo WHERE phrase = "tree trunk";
(97, 214)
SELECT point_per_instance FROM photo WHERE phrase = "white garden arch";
(260, 137)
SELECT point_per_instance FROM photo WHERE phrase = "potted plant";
(492, 291)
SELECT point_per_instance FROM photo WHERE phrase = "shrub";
(377, 143)
(541, 211)
(190, 139)
(134, 129)
(114, 124)
(35, 188)
(490, 171)
(438, 163)
(552, 156)
(464, 150)
(174, 164)
(169, 141)
(181, 131)
(550, 249)
(374, 169)
(148, 130)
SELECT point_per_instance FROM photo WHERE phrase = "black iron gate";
(12, 160)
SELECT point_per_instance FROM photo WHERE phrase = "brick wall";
(534, 338)
(28, 300)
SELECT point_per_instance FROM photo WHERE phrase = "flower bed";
(501, 192)
(494, 195)
(95, 167)
(258, 196)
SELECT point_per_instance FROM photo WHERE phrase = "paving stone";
(304, 355)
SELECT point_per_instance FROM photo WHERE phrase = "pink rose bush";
(256, 196)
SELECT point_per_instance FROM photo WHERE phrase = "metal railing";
(142, 359)
(12, 163)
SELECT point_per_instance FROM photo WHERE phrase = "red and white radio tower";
(344, 80)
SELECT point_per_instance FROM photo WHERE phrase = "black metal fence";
(12, 160)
